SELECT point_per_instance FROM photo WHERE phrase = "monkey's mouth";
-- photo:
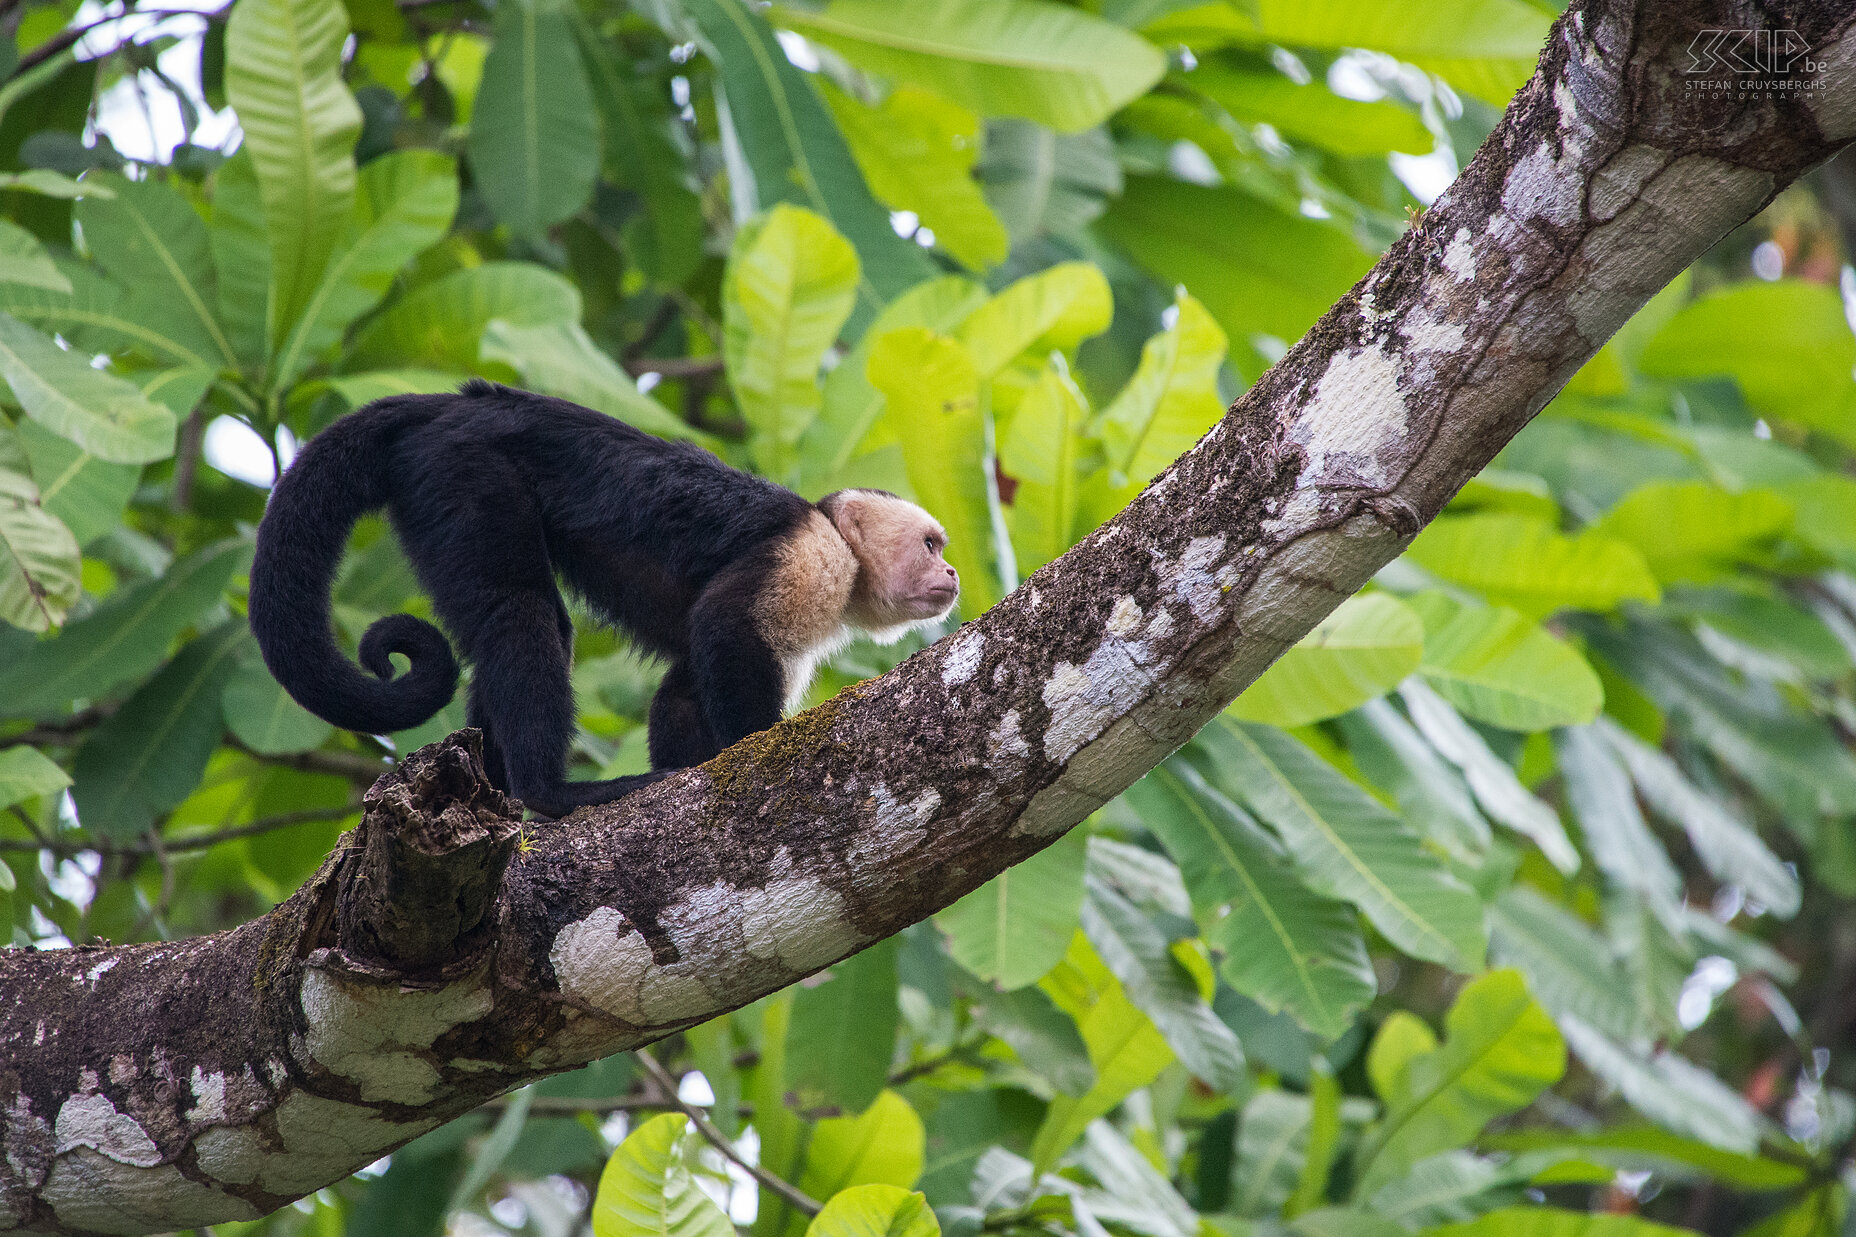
(935, 600)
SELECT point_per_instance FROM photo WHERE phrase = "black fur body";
(494, 493)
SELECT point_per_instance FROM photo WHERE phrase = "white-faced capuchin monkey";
(741, 585)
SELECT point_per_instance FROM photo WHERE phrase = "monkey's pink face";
(905, 578)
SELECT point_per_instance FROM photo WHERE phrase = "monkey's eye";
(929, 542)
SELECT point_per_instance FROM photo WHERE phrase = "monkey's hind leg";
(679, 734)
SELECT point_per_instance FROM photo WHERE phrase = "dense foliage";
(1516, 893)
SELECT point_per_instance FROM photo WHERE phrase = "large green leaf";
(560, 358)
(264, 717)
(149, 755)
(27, 773)
(1493, 780)
(1546, 1222)
(38, 555)
(1013, 929)
(92, 316)
(1125, 1047)
(1786, 343)
(1358, 653)
(23, 260)
(1672, 1091)
(534, 133)
(785, 148)
(438, 325)
(1500, 1050)
(86, 493)
(1165, 408)
(1600, 794)
(1256, 269)
(1345, 843)
(646, 1189)
(1051, 311)
(1138, 954)
(1040, 181)
(1500, 667)
(884, 1144)
(124, 638)
(790, 285)
(843, 1033)
(933, 408)
(284, 78)
(103, 414)
(1523, 562)
(1042, 453)
(916, 150)
(241, 250)
(1272, 1147)
(153, 243)
(1729, 847)
(1690, 530)
(404, 202)
(1283, 946)
(1311, 112)
(875, 1210)
(1029, 58)
(1569, 966)
(1825, 507)
(1430, 794)
(1044, 1037)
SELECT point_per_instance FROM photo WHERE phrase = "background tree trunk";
(154, 1087)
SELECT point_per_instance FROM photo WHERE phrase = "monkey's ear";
(846, 510)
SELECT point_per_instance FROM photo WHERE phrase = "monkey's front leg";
(740, 681)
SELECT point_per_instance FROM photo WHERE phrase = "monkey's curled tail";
(339, 477)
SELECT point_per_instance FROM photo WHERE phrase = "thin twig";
(66, 39)
(795, 1198)
(674, 366)
(154, 915)
(61, 730)
(570, 1105)
(187, 459)
(929, 1065)
(186, 842)
(32, 826)
(359, 769)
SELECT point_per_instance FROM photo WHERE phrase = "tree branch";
(795, 1197)
(164, 1086)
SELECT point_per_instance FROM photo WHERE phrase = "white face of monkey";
(903, 578)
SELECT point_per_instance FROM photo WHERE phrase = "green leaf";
(1362, 650)
(1402, 1038)
(1544, 1222)
(39, 561)
(284, 78)
(790, 284)
(1520, 561)
(1498, 666)
(561, 359)
(373, 384)
(785, 148)
(916, 150)
(403, 204)
(1051, 311)
(646, 1189)
(1044, 1037)
(852, 406)
(885, 1144)
(1313, 113)
(1166, 407)
(155, 245)
(438, 325)
(534, 133)
(1493, 780)
(1041, 452)
(92, 317)
(933, 406)
(1258, 270)
(50, 184)
(124, 638)
(27, 773)
(494, 1149)
(1283, 946)
(1500, 1050)
(1690, 530)
(23, 260)
(1346, 845)
(1728, 847)
(1138, 955)
(1675, 1093)
(1825, 507)
(1272, 1146)
(148, 755)
(1786, 343)
(843, 1033)
(1039, 181)
(875, 1210)
(1644, 1146)
(1013, 929)
(1430, 793)
(265, 718)
(103, 414)
(87, 494)
(1040, 61)
(1125, 1047)
(1569, 966)
(1601, 797)
(1770, 636)
(241, 249)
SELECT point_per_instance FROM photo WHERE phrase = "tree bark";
(442, 956)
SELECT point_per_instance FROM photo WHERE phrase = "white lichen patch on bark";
(1356, 414)
(88, 1190)
(322, 1139)
(1196, 578)
(1460, 256)
(798, 922)
(1006, 744)
(92, 1121)
(230, 1153)
(604, 962)
(962, 657)
(373, 1033)
(1084, 699)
